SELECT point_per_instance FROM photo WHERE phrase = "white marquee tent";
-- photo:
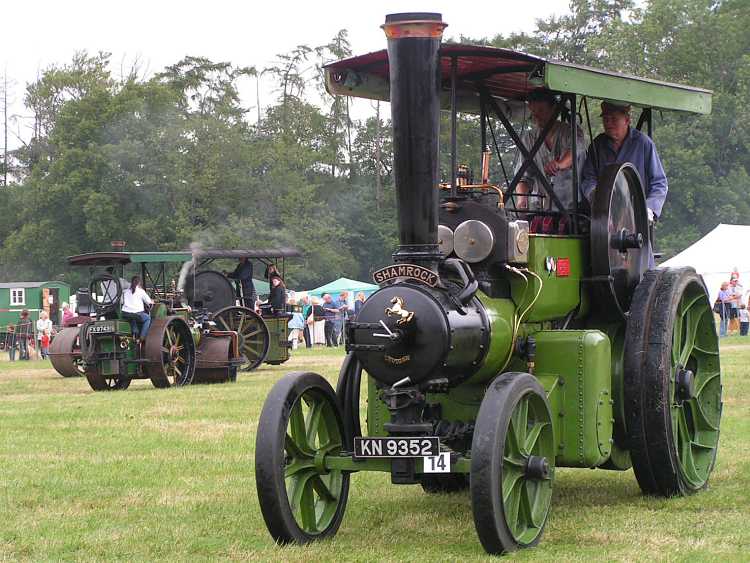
(722, 251)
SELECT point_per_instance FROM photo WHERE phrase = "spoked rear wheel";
(673, 384)
(512, 464)
(300, 423)
(251, 330)
(170, 352)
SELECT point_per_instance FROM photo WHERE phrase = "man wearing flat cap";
(622, 143)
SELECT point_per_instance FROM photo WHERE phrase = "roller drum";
(65, 353)
(214, 357)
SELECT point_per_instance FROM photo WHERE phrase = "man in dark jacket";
(331, 311)
(23, 334)
(244, 273)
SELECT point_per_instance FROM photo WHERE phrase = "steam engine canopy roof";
(511, 75)
(107, 258)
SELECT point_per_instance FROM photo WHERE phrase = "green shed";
(34, 296)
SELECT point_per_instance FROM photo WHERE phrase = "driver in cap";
(622, 143)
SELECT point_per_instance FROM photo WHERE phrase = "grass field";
(150, 474)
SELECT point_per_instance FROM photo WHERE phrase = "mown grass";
(168, 474)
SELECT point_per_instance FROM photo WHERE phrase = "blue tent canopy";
(344, 284)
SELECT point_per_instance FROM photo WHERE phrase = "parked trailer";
(35, 297)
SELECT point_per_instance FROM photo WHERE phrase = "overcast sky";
(37, 33)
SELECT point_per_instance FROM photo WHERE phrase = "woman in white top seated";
(134, 301)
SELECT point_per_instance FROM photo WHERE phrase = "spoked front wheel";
(512, 464)
(300, 423)
(99, 382)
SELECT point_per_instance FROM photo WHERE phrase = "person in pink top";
(67, 314)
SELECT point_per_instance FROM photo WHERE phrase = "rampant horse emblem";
(397, 310)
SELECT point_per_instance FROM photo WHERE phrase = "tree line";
(178, 158)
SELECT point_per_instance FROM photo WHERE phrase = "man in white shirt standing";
(134, 301)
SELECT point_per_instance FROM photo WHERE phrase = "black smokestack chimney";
(414, 61)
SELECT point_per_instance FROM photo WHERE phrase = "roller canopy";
(511, 75)
(107, 258)
(262, 253)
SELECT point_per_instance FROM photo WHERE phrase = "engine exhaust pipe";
(414, 61)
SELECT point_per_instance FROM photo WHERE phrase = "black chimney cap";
(413, 16)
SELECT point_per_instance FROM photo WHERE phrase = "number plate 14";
(440, 463)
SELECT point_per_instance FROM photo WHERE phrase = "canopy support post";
(454, 127)
(483, 121)
(646, 117)
(574, 153)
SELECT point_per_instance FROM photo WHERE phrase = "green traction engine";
(494, 356)
(201, 331)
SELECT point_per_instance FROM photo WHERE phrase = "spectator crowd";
(732, 306)
(321, 320)
(21, 338)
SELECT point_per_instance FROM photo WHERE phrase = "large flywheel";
(619, 238)
(209, 290)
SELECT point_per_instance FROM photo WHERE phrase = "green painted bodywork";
(377, 413)
(574, 367)
(620, 457)
(585, 81)
(560, 294)
(109, 343)
(278, 346)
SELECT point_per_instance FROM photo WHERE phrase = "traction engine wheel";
(347, 393)
(65, 353)
(252, 331)
(672, 383)
(512, 464)
(170, 353)
(99, 382)
(300, 423)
